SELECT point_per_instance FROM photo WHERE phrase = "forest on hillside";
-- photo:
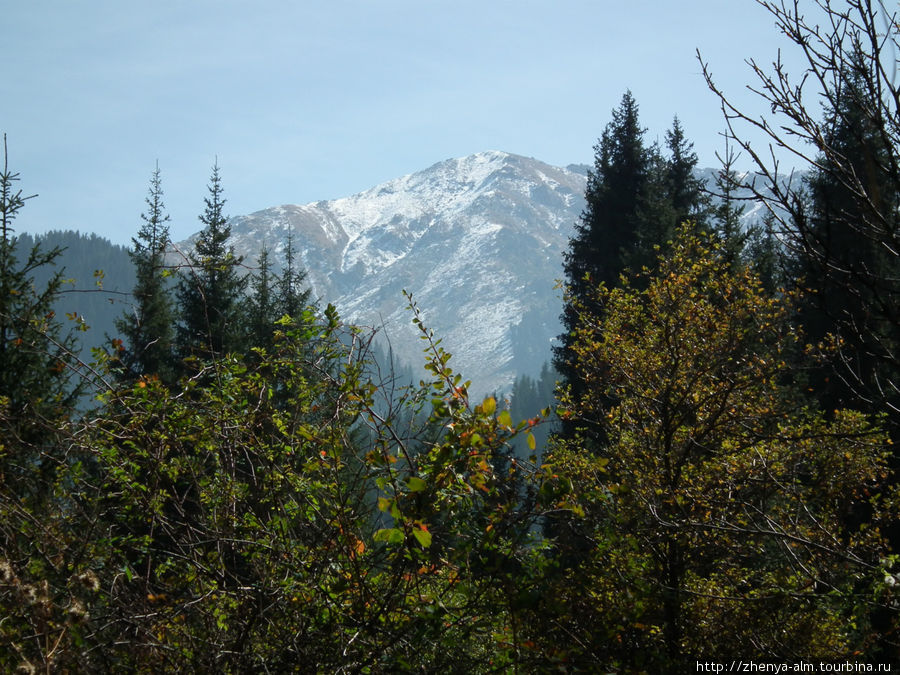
(254, 488)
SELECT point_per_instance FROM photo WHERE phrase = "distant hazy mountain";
(98, 278)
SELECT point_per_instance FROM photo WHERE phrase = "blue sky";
(303, 100)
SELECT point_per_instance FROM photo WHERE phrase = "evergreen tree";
(606, 237)
(615, 192)
(755, 245)
(148, 327)
(673, 195)
(262, 312)
(210, 291)
(636, 198)
(765, 254)
(849, 274)
(36, 355)
(727, 214)
(273, 297)
(685, 190)
(657, 215)
(293, 296)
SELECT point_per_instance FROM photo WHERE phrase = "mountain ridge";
(476, 240)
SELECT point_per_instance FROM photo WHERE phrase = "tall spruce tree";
(262, 305)
(636, 198)
(657, 216)
(850, 276)
(727, 213)
(606, 237)
(674, 194)
(293, 295)
(211, 288)
(765, 255)
(36, 354)
(148, 327)
(842, 224)
(685, 190)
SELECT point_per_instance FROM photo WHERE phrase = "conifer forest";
(236, 480)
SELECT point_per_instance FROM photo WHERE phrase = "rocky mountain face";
(478, 241)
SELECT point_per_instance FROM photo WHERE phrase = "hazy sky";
(304, 100)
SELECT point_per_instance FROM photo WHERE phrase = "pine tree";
(765, 255)
(293, 297)
(210, 290)
(615, 192)
(262, 305)
(36, 355)
(685, 190)
(727, 214)
(849, 274)
(272, 298)
(148, 327)
(636, 198)
(674, 194)
(657, 216)
(607, 235)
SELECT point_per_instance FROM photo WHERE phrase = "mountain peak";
(477, 240)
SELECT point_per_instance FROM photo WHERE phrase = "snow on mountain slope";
(477, 240)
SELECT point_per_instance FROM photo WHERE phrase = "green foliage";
(841, 225)
(273, 513)
(273, 296)
(718, 505)
(148, 325)
(210, 289)
(35, 353)
(262, 311)
(635, 198)
(293, 296)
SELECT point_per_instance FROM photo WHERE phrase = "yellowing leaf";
(389, 536)
(489, 405)
(423, 537)
(416, 484)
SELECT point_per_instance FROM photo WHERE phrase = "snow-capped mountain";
(478, 241)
